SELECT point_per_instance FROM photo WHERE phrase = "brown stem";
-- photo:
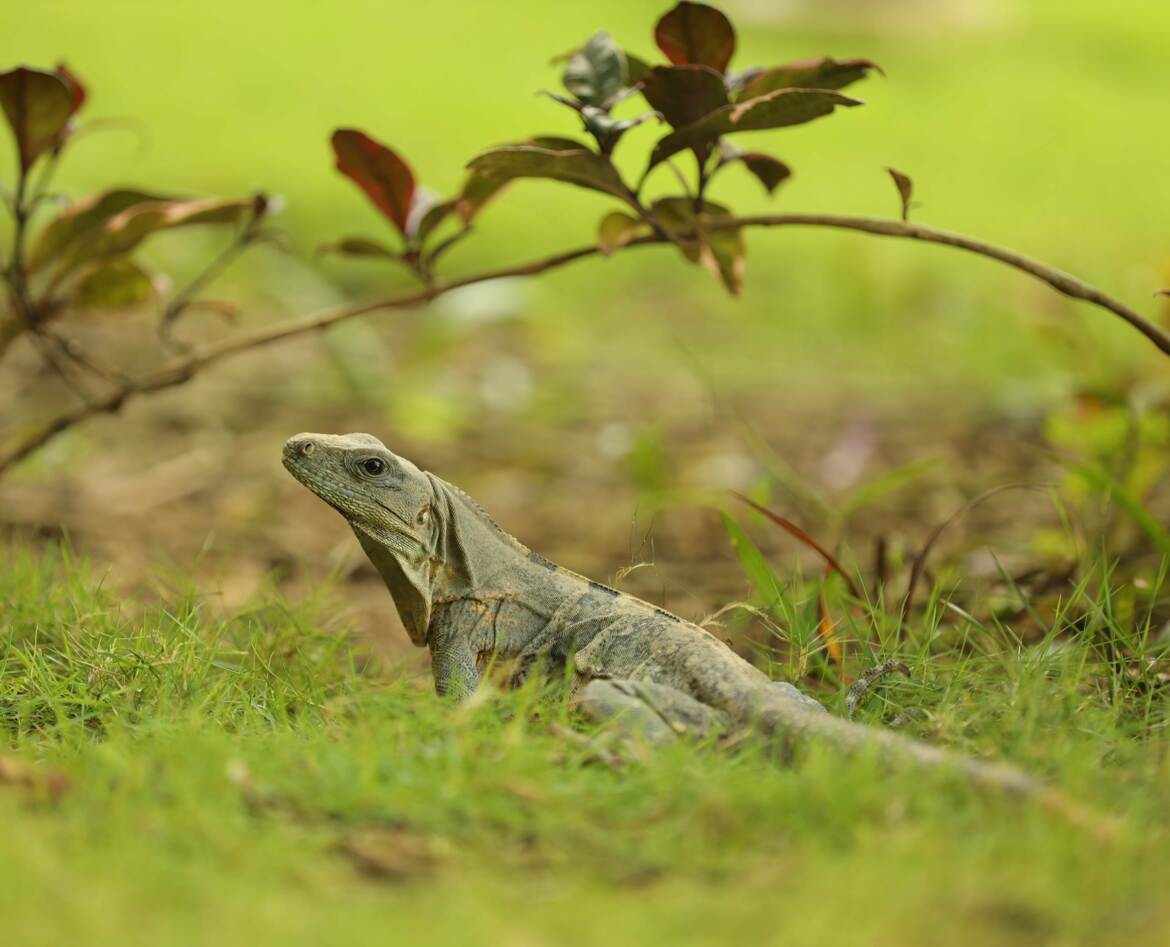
(1062, 282)
(182, 369)
(188, 294)
(17, 286)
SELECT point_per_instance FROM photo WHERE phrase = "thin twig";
(16, 273)
(182, 369)
(51, 352)
(99, 367)
(204, 278)
(918, 567)
(1062, 282)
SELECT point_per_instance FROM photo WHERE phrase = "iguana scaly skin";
(472, 594)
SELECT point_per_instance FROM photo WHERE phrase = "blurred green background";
(1038, 124)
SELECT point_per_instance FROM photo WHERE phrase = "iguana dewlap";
(471, 593)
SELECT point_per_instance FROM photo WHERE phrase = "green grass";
(256, 779)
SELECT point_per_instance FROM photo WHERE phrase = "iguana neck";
(472, 550)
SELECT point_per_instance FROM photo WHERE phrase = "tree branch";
(1062, 282)
(180, 370)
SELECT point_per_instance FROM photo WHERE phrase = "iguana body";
(473, 594)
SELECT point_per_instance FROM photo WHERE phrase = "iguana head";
(397, 511)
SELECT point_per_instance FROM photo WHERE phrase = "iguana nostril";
(307, 448)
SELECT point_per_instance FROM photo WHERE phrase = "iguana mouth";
(309, 477)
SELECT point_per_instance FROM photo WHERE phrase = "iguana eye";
(374, 466)
(423, 516)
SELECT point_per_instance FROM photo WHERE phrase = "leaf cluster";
(695, 93)
(83, 256)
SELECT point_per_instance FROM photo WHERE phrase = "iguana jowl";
(471, 593)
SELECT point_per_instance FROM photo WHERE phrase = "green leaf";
(609, 130)
(360, 247)
(755, 566)
(430, 216)
(559, 159)
(427, 213)
(378, 170)
(38, 106)
(116, 283)
(124, 231)
(778, 109)
(696, 34)
(721, 251)
(597, 71)
(478, 190)
(735, 81)
(616, 230)
(822, 73)
(79, 223)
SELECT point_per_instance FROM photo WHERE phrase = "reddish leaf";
(76, 87)
(822, 73)
(38, 106)
(905, 188)
(770, 172)
(386, 179)
(696, 34)
(684, 94)
(797, 533)
(561, 159)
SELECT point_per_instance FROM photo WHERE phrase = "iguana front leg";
(459, 632)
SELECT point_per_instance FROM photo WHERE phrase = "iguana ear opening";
(409, 586)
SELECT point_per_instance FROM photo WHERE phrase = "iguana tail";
(797, 724)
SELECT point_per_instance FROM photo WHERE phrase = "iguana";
(473, 594)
